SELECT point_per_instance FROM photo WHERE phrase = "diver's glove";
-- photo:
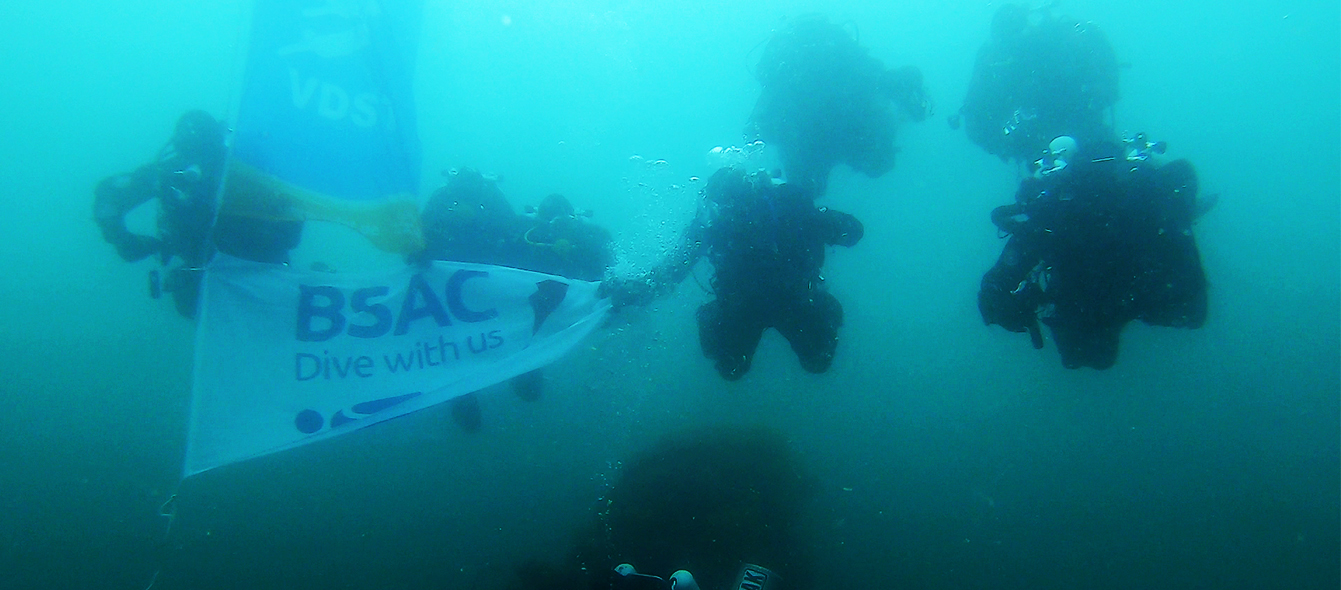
(1004, 308)
(1011, 219)
(136, 247)
(844, 229)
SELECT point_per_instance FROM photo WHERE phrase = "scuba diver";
(1036, 78)
(562, 243)
(470, 220)
(184, 179)
(827, 101)
(1099, 236)
(766, 242)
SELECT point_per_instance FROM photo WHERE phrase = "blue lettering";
(340, 369)
(321, 312)
(308, 309)
(402, 362)
(428, 353)
(302, 90)
(333, 103)
(410, 312)
(458, 307)
(484, 344)
(310, 366)
(359, 303)
(443, 343)
(299, 373)
(365, 110)
(363, 366)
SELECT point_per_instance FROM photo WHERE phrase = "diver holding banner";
(325, 131)
(328, 353)
(184, 181)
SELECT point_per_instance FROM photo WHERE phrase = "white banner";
(286, 357)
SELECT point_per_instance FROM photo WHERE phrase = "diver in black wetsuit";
(1039, 76)
(560, 242)
(766, 243)
(827, 101)
(1099, 237)
(184, 179)
(470, 220)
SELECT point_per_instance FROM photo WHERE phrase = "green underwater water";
(944, 454)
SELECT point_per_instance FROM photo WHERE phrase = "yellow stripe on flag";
(391, 224)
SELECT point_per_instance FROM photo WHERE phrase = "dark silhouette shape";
(827, 101)
(1039, 76)
(766, 243)
(470, 220)
(184, 179)
(704, 501)
(1103, 242)
(466, 412)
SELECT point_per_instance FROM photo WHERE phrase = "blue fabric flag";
(326, 127)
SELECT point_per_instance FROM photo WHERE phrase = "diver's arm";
(1010, 219)
(680, 262)
(1008, 296)
(840, 229)
(116, 196)
(641, 289)
(1015, 218)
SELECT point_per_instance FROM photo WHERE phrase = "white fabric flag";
(286, 357)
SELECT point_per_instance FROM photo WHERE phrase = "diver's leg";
(812, 328)
(530, 385)
(1103, 346)
(729, 335)
(466, 412)
(1068, 339)
(1094, 346)
(1172, 291)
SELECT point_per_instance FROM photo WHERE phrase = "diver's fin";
(1203, 204)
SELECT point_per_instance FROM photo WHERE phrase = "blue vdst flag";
(326, 125)
(285, 357)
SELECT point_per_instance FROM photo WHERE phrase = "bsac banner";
(326, 126)
(286, 357)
